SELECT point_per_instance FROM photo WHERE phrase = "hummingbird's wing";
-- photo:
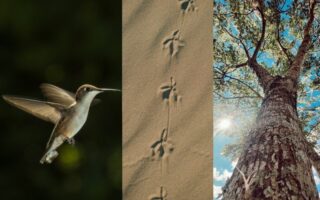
(61, 96)
(58, 95)
(47, 111)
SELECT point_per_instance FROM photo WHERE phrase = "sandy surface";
(167, 99)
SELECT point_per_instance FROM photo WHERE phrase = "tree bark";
(275, 162)
(263, 75)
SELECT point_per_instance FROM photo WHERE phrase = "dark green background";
(66, 43)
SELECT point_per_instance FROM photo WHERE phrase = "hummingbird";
(67, 111)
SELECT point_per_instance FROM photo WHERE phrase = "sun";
(224, 124)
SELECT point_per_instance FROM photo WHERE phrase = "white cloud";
(221, 176)
(216, 191)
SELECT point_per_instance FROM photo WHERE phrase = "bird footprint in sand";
(188, 5)
(169, 92)
(161, 194)
(162, 146)
(173, 43)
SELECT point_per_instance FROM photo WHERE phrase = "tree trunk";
(274, 163)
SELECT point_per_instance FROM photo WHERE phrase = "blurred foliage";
(66, 43)
(237, 27)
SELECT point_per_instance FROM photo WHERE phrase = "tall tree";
(264, 50)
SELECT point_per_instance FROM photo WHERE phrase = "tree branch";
(245, 84)
(242, 82)
(240, 40)
(240, 65)
(260, 71)
(235, 66)
(294, 70)
(263, 75)
(235, 97)
(234, 13)
(284, 50)
(260, 8)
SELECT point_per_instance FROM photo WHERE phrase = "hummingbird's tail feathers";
(49, 157)
(52, 145)
(41, 109)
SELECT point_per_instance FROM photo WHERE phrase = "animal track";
(169, 92)
(161, 147)
(161, 194)
(173, 43)
(188, 5)
(136, 162)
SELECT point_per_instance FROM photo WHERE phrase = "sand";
(167, 99)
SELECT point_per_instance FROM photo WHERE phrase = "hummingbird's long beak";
(108, 89)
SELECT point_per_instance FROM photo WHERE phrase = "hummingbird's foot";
(71, 141)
